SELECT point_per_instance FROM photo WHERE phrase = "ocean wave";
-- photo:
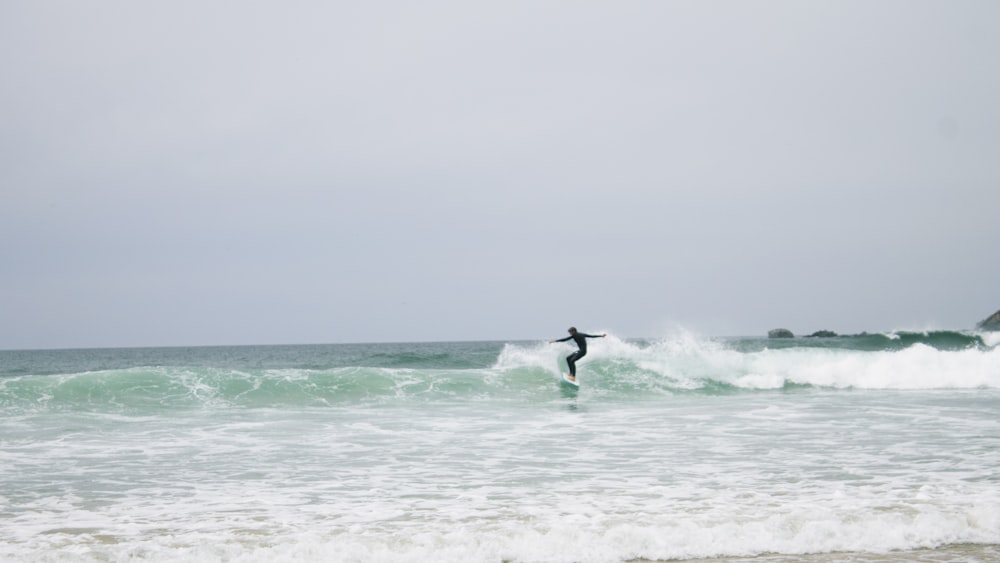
(937, 339)
(689, 363)
(615, 369)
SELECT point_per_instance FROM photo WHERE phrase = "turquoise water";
(864, 448)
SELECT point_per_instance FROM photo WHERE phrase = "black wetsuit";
(581, 341)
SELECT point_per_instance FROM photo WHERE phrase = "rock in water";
(991, 322)
(780, 333)
(823, 334)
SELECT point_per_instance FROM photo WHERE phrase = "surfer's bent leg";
(571, 361)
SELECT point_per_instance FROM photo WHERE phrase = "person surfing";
(581, 343)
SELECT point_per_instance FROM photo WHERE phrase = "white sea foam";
(991, 338)
(916, 367)
(687, 361)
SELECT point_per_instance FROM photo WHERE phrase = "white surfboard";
(564, 372)
(568, 381)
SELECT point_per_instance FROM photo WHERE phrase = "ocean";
(873, 447)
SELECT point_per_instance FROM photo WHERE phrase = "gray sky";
(234, 172)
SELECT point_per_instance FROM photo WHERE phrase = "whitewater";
(872, 447)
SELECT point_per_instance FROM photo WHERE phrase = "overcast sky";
(245, 172)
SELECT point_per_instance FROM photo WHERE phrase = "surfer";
(581, 343)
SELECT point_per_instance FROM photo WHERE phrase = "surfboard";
(564, 373)
(567, 381)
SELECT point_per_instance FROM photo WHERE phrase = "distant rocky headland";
(780, 333)
(991, 323)
(785, 333)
